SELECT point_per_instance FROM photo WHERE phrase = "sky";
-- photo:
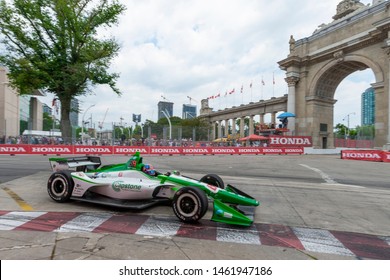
(185, 51)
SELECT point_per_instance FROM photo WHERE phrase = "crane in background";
(191, 99)
(102, 122)
(163, 97)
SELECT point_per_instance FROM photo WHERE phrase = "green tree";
(48, 122)
(53, 45)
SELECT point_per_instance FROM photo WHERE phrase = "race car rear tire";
(60, 186)
(190, 204)
(213, 179)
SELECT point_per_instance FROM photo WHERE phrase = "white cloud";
(200, 48)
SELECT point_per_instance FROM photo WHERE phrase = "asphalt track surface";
(312, 207)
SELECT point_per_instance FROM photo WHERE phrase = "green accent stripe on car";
(83, 179)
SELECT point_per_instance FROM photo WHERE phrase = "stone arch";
(357, 39)
(326, 81)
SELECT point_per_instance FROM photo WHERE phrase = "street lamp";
(82, 124)
(170, 125)
(347, 117)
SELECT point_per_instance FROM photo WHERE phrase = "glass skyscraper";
(368, 107)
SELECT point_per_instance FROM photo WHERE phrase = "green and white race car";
(135, 185)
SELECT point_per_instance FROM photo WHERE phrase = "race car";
(135, 185)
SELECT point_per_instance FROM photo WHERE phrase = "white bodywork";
(128, 185)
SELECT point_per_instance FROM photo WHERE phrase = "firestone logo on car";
(120, 185)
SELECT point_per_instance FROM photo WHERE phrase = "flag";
(242, 88)
(262, 82)
(250, 85)
(273, 78)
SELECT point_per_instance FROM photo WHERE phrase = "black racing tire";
(190, 204)
(213, 179)
(60, 186)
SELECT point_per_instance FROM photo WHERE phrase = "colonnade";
(217, 125)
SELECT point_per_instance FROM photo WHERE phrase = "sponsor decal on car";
(120, 185)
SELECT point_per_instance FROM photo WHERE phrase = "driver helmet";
(148, 169)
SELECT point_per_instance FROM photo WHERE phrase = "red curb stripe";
(278, 235)
(205, 230)
(122, 224)
(49, 221)
(364, 245)
(3, 212)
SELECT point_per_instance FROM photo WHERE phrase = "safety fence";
(145, 150)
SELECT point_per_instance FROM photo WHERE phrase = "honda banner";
(367, 155)
(154, 150)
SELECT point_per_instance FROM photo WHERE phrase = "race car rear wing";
(75, 163)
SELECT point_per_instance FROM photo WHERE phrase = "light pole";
(347, 117)
(82, 124)
(170, 125)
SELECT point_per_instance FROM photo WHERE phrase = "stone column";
(251, 129)
(262, 118)
(273, 119)
(234, 127)
(387, 51)
(219, 129)
(242, 122)
(291, 81)
(213, 131)
(226, 127)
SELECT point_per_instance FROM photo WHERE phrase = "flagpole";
(251, 92)
(273, 84)
(262, 85)
(242, 94)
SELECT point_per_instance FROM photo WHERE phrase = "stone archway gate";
(357, 39)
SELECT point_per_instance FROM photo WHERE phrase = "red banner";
(290, 141)
(386, 156)
(154, 150)
(367, 155)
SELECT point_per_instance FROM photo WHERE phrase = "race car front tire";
(60, 186)
(213, 179)
(190, 204)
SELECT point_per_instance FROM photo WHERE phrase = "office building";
(368, 107)
(164, 106)
(189, 111)
(18, 112)
(74, 113)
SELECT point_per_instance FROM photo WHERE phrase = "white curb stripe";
(249, 236)
(387, 239)
(13, 220)
(159, 227)
(321, 241)
(85, 222)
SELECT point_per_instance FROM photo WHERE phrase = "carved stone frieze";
(339, 56)
(346, 7)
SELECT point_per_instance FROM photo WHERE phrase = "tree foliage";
(53, 45)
